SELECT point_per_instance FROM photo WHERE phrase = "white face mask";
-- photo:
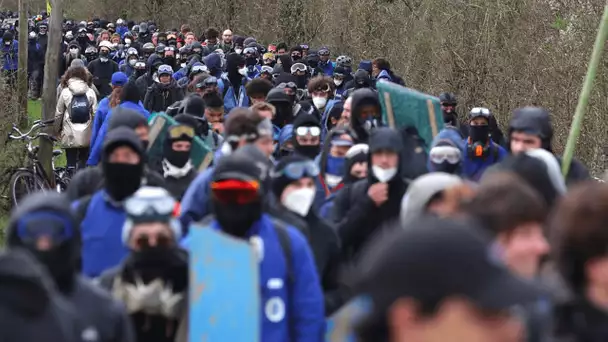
(132, 62)
(243, 71)
(338, 82)
(103, 59)
(319, 101)
(183, 65)
(299, 201)
(238, 51)
(127, 41)
(73, 52)
(384, 175)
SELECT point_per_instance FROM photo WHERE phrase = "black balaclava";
(362, 79)
(194, 106)
(237, 219)
(122, 180)
(283, 106)
(127, 118)
(360, 157)
(305, 120)
(286, 62)
(360, 127)
(176, 158)
(233, 63)
(61, 260)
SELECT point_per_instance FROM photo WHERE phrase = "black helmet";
(448, 98)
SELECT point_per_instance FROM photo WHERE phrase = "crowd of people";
(476, 237)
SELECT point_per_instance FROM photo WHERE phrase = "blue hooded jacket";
(102, 246)
(450, 135)
(10, 56)
(100, 115)
(230, 99)
(254, 71)
(214, 62)
(303, 319)
(473, 167)
(95, 153)
(328, 68)
(121, 30)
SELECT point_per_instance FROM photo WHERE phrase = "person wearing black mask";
(177, 165)
(44, 224)
(102, 69)
(123, 167)
(365, 114)
(296, 54)
(361, 80)
(153, 278)
(235, 94)
(307, 136)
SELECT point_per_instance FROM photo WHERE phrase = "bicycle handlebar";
(29, 138)
(36, 125)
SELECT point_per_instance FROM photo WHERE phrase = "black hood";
(233, 61)
(153, 60)
(121, 136)
(122, 117)
(362, 79)
(384, 138)
(24, 287)
(533, 120)
(360, 98)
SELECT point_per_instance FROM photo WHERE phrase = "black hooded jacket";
(146, 80)
(354, 214)
(361, 97)
(96, 309)
(160, 96)
(361, 80)
(30, 307)
(102, 75)
(536, 120)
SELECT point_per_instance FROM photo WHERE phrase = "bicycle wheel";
(23, 183)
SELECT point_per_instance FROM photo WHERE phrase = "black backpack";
(80, 109)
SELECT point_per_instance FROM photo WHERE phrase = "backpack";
(80, 109)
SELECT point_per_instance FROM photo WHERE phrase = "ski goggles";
(140, 65)
(301, 67)
(297, 170)
(49, 224)
(233, 191)
(210, 81)
(199, 69)
(180, 131)
(266, 69)
(165, 70)
(159, 208)
(304, 130)
(479, 112)
(441, 154)
(323, 52)
(250, 51)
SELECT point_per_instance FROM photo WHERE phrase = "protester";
(480, 151)
(44, 224)
(431, 194)
(74, 111)
(177, 167)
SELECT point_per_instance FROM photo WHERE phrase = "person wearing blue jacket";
(129, 100)
(119, 79)
(234, 82)
(446, 152)
(10, 52)
(102, 215)
(324, 63)
(292, 301)
(480, 152)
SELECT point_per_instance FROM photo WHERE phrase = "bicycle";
(32, 178)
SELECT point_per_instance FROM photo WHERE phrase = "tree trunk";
(51, 71)
(22, 72)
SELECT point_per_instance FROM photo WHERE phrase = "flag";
(48, 7)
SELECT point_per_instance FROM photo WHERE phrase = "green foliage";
(560, 23)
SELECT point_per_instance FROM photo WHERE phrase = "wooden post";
(49, 88)
(22, 72)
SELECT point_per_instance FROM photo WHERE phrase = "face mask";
(319, 101)
(128, 41)
(445, 167)
(296, 58)
(103, 59)
(251, 61)
(104, 54)
(60, 262)
(73, 52)
(238, 51)
(7, 43)
(299, 201)
(310, 151)
(122, 180)
(384, 175)
(369, 124)
(479, 133)
(338, 82)
(132, 62)
(178, 158)
(335, 165)
(183, 65)
(243, 71)
(237, 219)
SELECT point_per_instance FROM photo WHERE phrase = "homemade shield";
(224, 288)
(405, 107)
(201, 154)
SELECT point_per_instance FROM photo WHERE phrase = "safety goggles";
(324, 88)
(250, 51)
(199, 69)
(266, 69)
(323, 52)
(179, 131)
(48, 224)
(313, 131)
(298, 67)
(161, 206)
(479, 112)
(140, 65)
(297, 170)
(165, 69)
(441, 154)
(232, 191)
(210, 81)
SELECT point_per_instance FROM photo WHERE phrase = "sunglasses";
(176, 132)
(297, 170)
(313, 131)
(162, 240)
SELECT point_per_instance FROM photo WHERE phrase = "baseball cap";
(431, 259)
(119, 79)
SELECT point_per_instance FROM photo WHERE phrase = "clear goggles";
(441, 154)
(304, 130)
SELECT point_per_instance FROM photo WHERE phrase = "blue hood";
(452, 135)
(286, 134)
(213, 61)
